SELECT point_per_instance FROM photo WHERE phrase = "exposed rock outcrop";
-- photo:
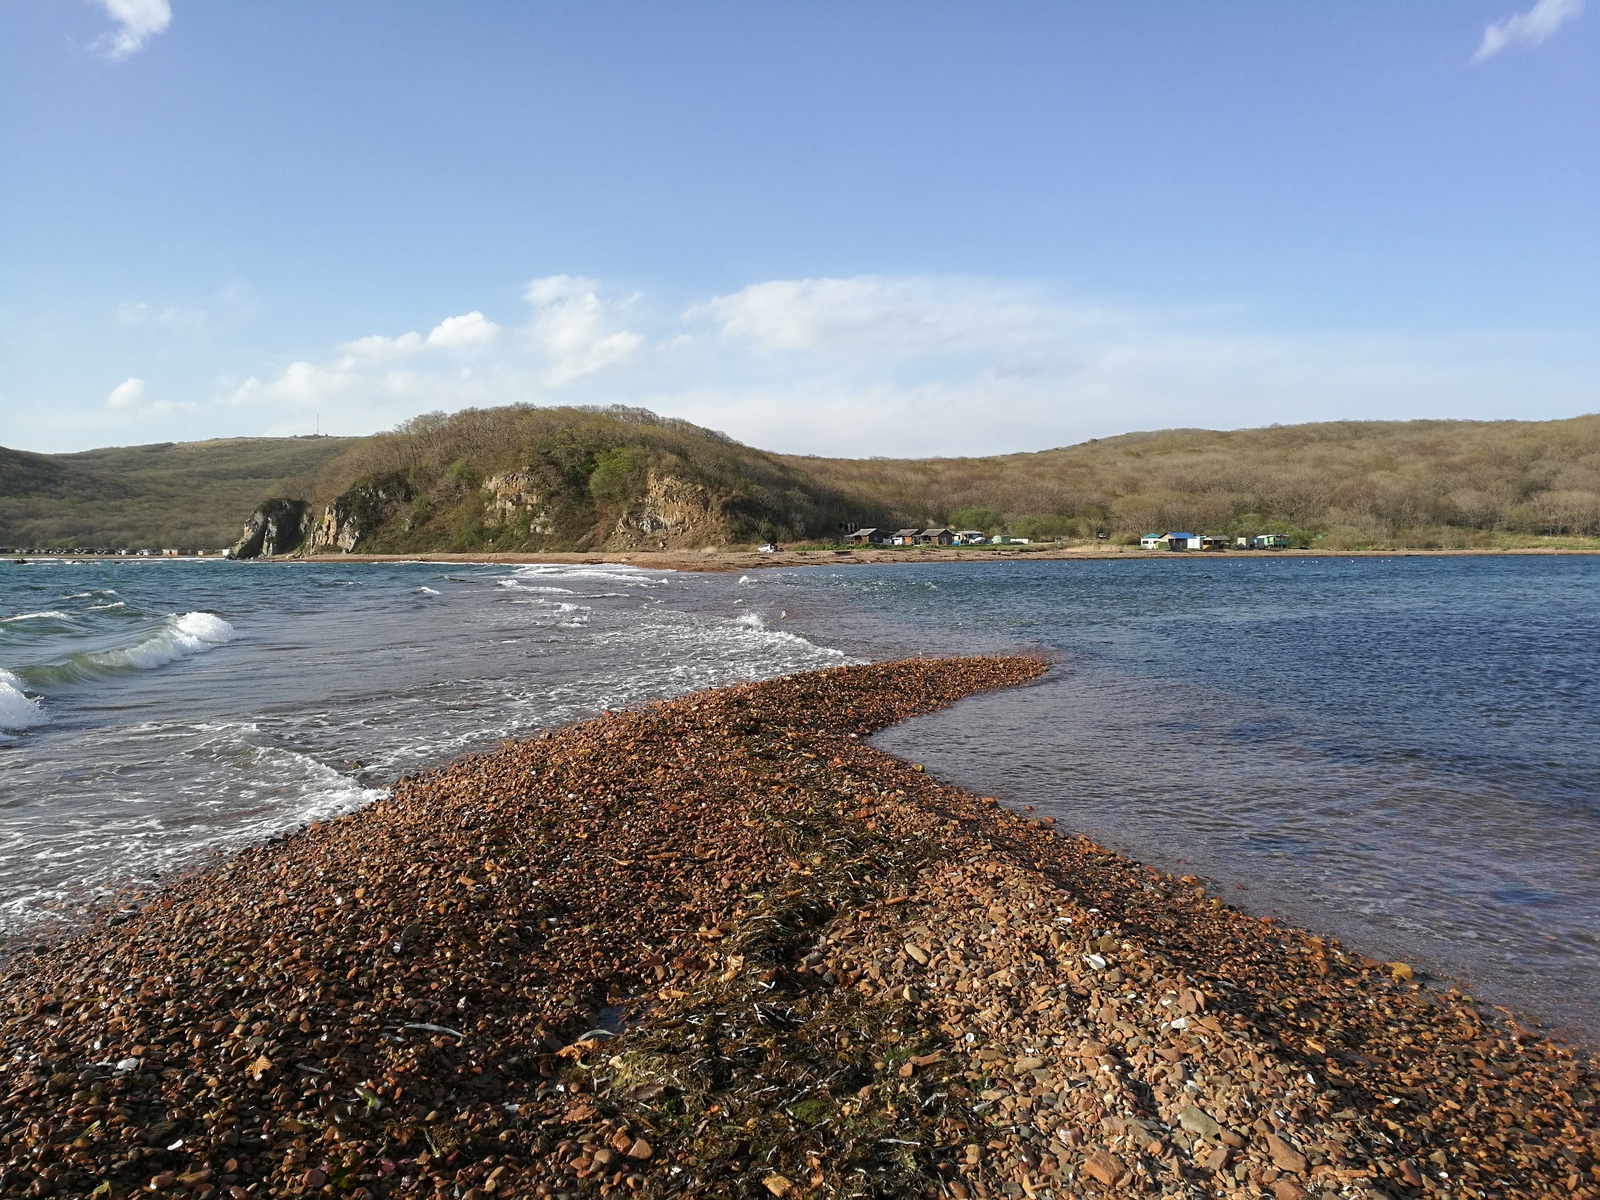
(672, 513)
(276, 527)
(515, 497)
(357, 514)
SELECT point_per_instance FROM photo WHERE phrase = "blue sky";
(838, 228)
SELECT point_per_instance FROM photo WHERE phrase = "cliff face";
(672, 514)
(516, 499)
(357, 514)
(276, 527)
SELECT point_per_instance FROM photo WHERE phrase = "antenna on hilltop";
(319, 424)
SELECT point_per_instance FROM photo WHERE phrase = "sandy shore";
(720, 947)
(716, 559)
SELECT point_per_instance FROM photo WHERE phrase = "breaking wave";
(17, 709)
(180, 637)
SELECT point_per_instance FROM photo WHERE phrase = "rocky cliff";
(276, 527)
(672, 514)
(529, 479)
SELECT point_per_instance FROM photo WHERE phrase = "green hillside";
(525, 478)
(1356, 483)
(172, 494)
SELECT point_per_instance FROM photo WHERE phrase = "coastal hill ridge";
(527, 479)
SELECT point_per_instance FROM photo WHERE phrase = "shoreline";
(812, 965)
(714, 559)
(718, 560)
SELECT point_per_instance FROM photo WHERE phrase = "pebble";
(829, 974)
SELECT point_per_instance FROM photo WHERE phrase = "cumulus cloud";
(137, 22)
(907, 366)
(131, 397)
(573, 328)
(1527, 28)
(130, 393)
(466, 332)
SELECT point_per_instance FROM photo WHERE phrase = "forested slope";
(526, 478)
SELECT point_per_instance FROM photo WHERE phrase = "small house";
(1270, 541)
(1210, 542)
(864, 537)
(970, 537)
(904, 537)
(1169, 541)
(935, 537)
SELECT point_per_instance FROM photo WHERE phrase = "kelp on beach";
(720, 947)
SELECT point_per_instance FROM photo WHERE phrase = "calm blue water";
(1404, 753)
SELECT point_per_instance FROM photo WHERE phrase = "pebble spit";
(721, 947)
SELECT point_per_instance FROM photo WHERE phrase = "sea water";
(1403, 753)
(154, 714)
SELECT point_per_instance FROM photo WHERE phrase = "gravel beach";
(721, 947)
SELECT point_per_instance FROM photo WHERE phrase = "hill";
(191, 494)
(521, 478)
(1356, 483)
(525, 478)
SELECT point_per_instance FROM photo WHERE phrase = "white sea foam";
(518, 585)
(427, 591)
(17, 709)
(615, 573)
(180, 637)
(750, 620)
(105, 607)
(47, 615)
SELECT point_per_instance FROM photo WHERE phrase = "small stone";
(1409, 1173)
(1288, 1189)
(917, 953)
(1400, 971)
(163, 1181)
(1104, 1166)
(779, 1186)
(1284, 1156)
(315, 1178)
(640, 1149)
(1198, 1122)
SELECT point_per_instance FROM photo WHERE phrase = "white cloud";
(466, 332)
(1527, 28)
(571, 327)
(880, 316)
(915, 365)
(130, 393)
(137, 22)
(459, 333)
(132, 398)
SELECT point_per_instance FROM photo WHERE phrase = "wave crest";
(180, 637)
(17, 709)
